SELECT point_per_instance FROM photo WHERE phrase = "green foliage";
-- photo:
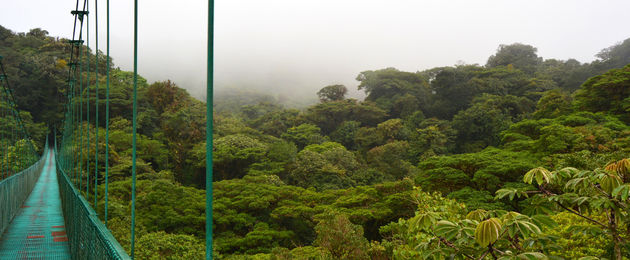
(346, 133)
(552, 104)
(161, 245)
(486, 170)
(329, 116)
(332, 93)
(398, 93)
(585, 192)
(283, 190)
(234, 154)
(341, 238)
(567, 134)
(392, 159)
(609, 92)
(325, 166)
(519, 55)
(479, 126)
(303, 135)
(577, 238)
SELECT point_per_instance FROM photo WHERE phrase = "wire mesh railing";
(88, 236)
(15, 189)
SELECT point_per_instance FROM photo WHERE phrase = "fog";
(295, 47)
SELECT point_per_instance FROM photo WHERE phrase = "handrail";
(87, 236)
(15, 189)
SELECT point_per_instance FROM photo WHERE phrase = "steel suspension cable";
(107, 123)
(96, 101)
(135, 112)
(87, 94)
(22, 142)
(209, 121)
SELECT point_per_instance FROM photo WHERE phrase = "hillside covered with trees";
(520, 158)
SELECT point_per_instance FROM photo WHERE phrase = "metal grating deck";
(37, 231)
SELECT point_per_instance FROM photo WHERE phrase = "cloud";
(297, 47)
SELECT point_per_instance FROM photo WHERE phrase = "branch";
(491, 249)
(449, 244)
(514, 243)
(484, 255)
(546, 192)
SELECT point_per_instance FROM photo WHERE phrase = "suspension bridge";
(48, 193)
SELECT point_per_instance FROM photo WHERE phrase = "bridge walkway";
(37, 231)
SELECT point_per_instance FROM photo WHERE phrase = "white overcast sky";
(298, 46)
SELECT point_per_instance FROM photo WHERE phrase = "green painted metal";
(96, 101)
(135, 119)
(38, 231)
(87, 104)
(88, 236)
(209, 119)
(79, 160)
(15, 189)
(107, 124)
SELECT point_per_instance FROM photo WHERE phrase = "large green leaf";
(479, 214)
(423, 221)
(623, 191)
(544, 220)
(511, 193)
(540, 174)
(532, 256)
(488, 231)
(610, 182)
(446, 229)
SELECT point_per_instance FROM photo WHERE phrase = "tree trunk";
(615, 235)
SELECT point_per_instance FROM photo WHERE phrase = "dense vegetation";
(522, 157)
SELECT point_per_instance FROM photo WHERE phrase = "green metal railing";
(15, 189)
(88, 236)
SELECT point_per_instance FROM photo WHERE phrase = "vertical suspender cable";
(87, 86)
(4, 151)
(80, 121)
(135, 111)
(107, 122)
(96, 111)
(209, 119)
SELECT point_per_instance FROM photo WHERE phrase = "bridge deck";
(37, 232)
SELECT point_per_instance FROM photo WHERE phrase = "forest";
(519, 158)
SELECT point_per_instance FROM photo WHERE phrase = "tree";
(397, 92)
(552, 104)
(165, 96)
(303, 135)
(341, 238)
(346, 133)
(479, 126)
(323, 166)
(585, 193)
(332, 93)
(489, 170)
(392, 159)
(328, 116)
(452, 90)
(161, 245)
(521, 56)
(234, 154)
(609, 92)
(615, 56)
(441, 229)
